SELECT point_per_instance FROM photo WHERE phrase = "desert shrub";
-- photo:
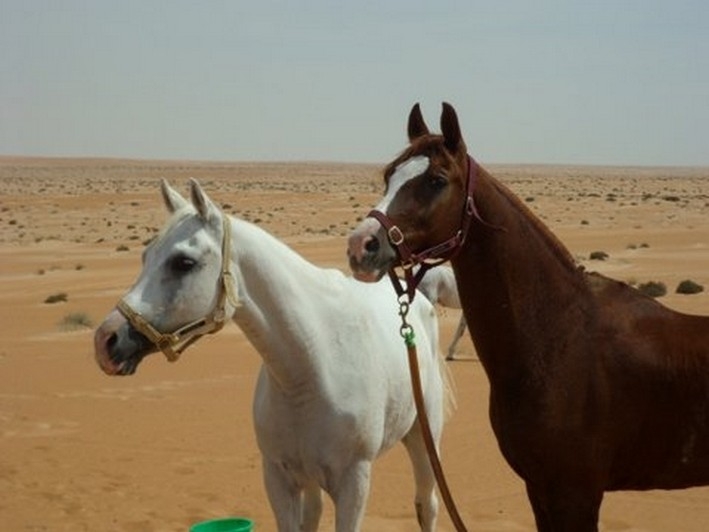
(57, 298)
(689, 287)
(598, 255)
(122, 247)
(653, 288)
(76, 320)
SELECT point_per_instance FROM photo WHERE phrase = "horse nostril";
(371, 245)
(111, 341)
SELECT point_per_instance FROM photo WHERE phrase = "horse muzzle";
(369, 251)
(118, 347)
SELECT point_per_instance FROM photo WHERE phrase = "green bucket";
(225, 524)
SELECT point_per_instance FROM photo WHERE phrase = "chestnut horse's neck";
(517, 284)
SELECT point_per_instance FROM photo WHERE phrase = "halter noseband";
(172, 344)
(435, 255)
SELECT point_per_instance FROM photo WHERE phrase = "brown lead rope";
(407, 333)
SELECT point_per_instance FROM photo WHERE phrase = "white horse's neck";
(285, 303)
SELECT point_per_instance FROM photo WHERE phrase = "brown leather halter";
(434, 255)
(172, 344)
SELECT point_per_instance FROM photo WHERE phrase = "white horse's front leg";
(284, 496)
(349, 493)
(312, 508)
(425, 501)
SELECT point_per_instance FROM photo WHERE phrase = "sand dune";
(174, 444)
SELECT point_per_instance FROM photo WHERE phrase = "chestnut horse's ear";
(417, 127)
(173, 200)
(450, 128)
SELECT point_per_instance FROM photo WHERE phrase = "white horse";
(334, 390)
(439, 286)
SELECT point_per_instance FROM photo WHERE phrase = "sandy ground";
(174, 444)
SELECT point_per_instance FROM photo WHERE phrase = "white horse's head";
(183, 291)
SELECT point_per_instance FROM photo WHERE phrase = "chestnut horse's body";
(593, 386)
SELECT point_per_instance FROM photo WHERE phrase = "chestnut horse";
(594, 387)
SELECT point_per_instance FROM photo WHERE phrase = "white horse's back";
(439, 286)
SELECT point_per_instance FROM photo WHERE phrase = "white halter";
(174, 343)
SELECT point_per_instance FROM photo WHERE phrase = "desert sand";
(173, 444)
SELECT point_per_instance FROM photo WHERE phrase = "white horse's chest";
(356, 391)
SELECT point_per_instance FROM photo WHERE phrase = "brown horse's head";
(425, 198)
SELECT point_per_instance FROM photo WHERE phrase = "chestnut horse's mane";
(552, 241)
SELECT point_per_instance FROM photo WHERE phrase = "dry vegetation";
(173, 444)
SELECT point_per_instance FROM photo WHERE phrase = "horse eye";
(437, 182)
(182, 264)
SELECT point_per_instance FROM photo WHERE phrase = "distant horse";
(593, 386)
(334, 390)
(439, 286)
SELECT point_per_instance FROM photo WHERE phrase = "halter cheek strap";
(434, 255)
(172, 344)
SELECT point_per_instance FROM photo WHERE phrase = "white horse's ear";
(173, 200)
(205, 208)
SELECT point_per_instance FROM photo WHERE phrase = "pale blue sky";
(566, 81)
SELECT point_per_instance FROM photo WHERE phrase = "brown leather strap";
(428, 438)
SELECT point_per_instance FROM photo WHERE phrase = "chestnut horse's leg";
(565, 509)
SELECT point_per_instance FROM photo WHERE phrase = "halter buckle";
(396, 237)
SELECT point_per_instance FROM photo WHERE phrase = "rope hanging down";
(407, 333)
